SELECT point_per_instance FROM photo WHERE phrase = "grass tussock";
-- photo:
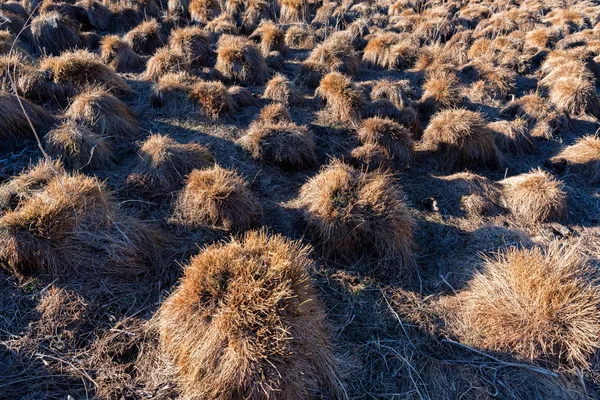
(513, 136)
(540, 305)
(349, 212)
(145, 38)
(163, 163)
(276, 345)
(104, 114)
(52, 34)
(390, 51)
(72, 225)
(240, 60)
(336, 54)
(202, 11)
(370, 157)
(461, 138)
(274, 113)
(300, 37)
(171, 92)
(294, 11)
(116, 52)
(81, 69)
(393, 137)
(285, 144)
(14, 124)
(79, 147)
(344, 100)
(271, 37)
(535, 197)
(441, 91)
(582, 157)
(195, 44)
(165, 60)
(218, 198)
(396, 91)
(280, 89)
(212, 98)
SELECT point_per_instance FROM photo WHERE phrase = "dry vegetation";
(167, 168)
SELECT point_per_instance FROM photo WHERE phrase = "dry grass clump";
(499, 81)
(542, 117)
(247, 323)
(224, 24)
(461, 138)
(293, 11)
(300, 37)
(575, 94)
(349, 212)
(78, 147)
(390, 135)
(116, 52)
(540, 305)
(541, 38)
(311, 73)
(279, 88)
(474, 194)
(390, 51)
(396, 91)
(583, 157)
(81, 69)
(440, 91)
(241, 97)
(7, 42)
(195, 44)
(171, 92)
(369, 157)
(239, 60)
(271, 36)
(336, 54)
(345, 101)
(94, 14)
(73, 225)
(218, 198)
(513, 136)
(52, 34)
(104, 114)
(14, 124)
(164, 61)
(32, 179)
(145, 38)
(203, 11)
(273, 113)
(535, 197)
(282, 143)
(163, 164)
(212, 97)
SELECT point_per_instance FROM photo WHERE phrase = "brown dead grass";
(396, 91)
(171, 92)
(293, 11)
(165, 60)
(104, 114)
(217, 198)
(14, 126)
(541, 305)
(116, 52)
(513, 136)
(163, 164)
(300, 37)
(203, 11)
(461, 138)
(271, 36)
(396, 139)
(345, 101)
(440, 91)
(583, 157)
(78, 147)
(390, 51)
(212, 97)
(145, 38)
(535, 197)
(240, 60)
(336, 54)
(349, 212)
(246, 323)
(279, 88)
(52, 34)
(195, 44)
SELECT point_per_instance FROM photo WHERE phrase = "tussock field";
(299, 199)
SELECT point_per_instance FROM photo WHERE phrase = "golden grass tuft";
(336, 54)
(212, 97)
(311, 73)
(369, 157)
(575, 94)
(145, 38)
(217, 198)
(104, 114)
(396, 91)
(461, 138)
(116, 52)
(78, 147)
(81, 69)
(14, 125)
(238, 59)
(294, 11)
(164, 61)
(539, 304)
(171, 92)
(273, 113)
(94, 13)
(52, 34)
(440, 91)
(280, 89)
(396, 139)
(300, 37)
(474, 194)
(349, 212)
(271, 36)
(72, 226)
(282, 143)
(535, 197)
(345, 101)
(163, 164)
(21, 187)
(202, 11)
(195, 44)
(241, 96)
(390, 51)
(583, 158)
(513, 136)
(246, 323)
